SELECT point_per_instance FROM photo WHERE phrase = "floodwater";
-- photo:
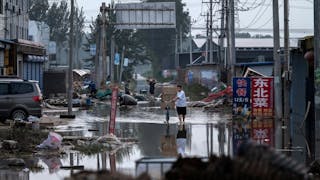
(155, 140)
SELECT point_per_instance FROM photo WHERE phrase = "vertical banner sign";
(241, 124)
(113, 111)
(262, 131)
(262, 97)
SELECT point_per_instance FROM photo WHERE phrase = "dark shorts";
(182, 110)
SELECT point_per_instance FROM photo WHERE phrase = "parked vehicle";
(19, 99)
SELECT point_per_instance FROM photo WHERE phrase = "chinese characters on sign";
(262, 131)
(262, 97)
(241, 112)
(241, 96)
(252, 111)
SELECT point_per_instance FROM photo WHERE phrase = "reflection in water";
(221, 137)
(181, 140)
(200, 136)
(53, 163)
(14, 175)
(168, 143)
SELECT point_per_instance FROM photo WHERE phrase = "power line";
(257, 15)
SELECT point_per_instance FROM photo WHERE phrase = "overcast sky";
(258, 16)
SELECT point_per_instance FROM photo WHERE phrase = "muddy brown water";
(156, 140)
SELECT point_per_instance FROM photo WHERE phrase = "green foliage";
(243, 35)
(38, 10)
(58, 21)
(57, 18)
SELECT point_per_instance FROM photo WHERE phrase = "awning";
(5, 42)
(32, 58)
(81, 72)
(265, 71)
(30, 48)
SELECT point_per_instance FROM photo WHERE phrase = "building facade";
(14, 19)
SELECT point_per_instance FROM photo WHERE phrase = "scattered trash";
(33, 119)
(109, 138)
(197, 104)
(126, 99)
(15, 162)
(219, 94)
(52, 142)
(53, 163)
(9, 144)
(35, 122)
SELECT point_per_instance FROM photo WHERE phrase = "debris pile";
(218, 101)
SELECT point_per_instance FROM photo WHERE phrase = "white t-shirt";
(182, 100)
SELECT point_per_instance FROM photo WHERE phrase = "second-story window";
(1, 6)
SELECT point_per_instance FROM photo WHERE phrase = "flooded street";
(146, 124)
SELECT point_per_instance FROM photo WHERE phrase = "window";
(1, 6)
(17, 32)
(4, 88)
(21, 88)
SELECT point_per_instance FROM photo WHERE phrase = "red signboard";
(262, 131)
(262, 97)
(113, 111)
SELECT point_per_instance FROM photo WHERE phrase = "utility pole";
(112, 58)
(222, 35)
(207, 38)
(316, 152)
(176, 52)
(190, 43)
(70, 83)
(103, 10)
(277, 77)
(180, 39)
(97, 59)
(210, 35)
(232, 38)
(286, 83)
(228, 61)
(121, 63)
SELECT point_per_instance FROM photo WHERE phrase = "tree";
(78, 34)
(243, 35)
(38, 10)
(58, 21)
(134, 49)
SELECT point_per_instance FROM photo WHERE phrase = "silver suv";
(19, 99)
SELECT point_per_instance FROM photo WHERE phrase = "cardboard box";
(164, 104)
(168, 97)
(169, 90)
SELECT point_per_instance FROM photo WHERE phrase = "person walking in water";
(181, 103)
